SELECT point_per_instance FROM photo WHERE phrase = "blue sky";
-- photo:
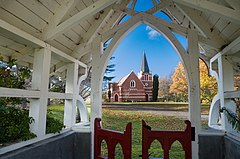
(161, 56)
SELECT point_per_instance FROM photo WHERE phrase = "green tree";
(155, 88)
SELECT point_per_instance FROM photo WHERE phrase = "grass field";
(117, 119)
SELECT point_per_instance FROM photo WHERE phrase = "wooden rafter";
(88, 11)
(56, 19)
(201, 24)
(204, 5)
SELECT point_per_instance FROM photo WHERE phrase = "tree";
(179, 86)
(155, 88)
(13, 76)
(208, 84)
(107, 77)
(164, 88)
(85, 86)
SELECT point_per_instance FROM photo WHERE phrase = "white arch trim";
(189, 58)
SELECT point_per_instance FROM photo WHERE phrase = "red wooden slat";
(112, 138)
(166, 138)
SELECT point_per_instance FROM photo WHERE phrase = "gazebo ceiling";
(72, 25)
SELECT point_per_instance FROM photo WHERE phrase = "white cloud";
(152, 34)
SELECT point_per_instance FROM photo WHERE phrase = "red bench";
(166, 138)
(112, 138)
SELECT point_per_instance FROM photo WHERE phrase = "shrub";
(14, 124)
(53, 125)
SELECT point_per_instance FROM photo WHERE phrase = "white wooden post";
(96, 85)
(225, 83)
(71, 87)
(40, 80)
(96, 88)
(194, 87)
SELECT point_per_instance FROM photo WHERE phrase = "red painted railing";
(166, 138)
(112, 138)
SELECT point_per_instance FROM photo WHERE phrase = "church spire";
(144, 67)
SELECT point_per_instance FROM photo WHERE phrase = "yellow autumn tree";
(179, 86)
(208, 84)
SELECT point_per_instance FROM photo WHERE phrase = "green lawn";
(117, 119)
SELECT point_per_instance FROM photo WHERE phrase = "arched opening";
(118, 152)
(167, 33)
(146, 96)
(176, 150)
(104, 148)
(116, 98)
(155, 150)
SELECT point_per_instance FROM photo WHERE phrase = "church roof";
(144, 66)
(123, 79)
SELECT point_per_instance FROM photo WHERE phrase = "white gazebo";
(66, 37)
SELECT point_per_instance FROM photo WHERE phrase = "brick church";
(133, 87)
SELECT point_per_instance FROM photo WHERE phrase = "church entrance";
(116, 98)
(146, 96)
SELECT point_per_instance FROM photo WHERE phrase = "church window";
(146, 77)
(132, 83)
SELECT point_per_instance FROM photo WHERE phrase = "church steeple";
(144, 66)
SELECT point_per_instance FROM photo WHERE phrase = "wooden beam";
(234, 4)
(56, 19)
(26, 38)
(232, 94)
(56, 95)
(19, 35)
(159, 7)
(154, 2)
(85, 13)
(12, 92)
(88, 37)
(214, 8)
(232, 48)
(133, 4)
(201, 24)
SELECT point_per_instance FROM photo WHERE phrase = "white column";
(96, 88)
(71, 87)
(40, 80)
(225, 83)
(194, 87)
(96, 85)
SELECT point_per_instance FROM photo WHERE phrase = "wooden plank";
(80, 5)
(51, 5)
(37, 8)
(6, 51)
(24, 14)
(65, 42)
(213, 8)
(12, 92)
(85, 25)
(89, 11)
(58, 45)
(56, 95)
(10, 43)
(87, 2)
(73, 36)
(232, 94)
(10, 18)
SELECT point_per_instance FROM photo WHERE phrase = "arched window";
(132, 83)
